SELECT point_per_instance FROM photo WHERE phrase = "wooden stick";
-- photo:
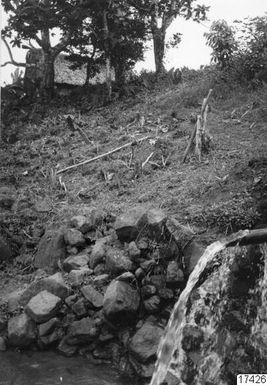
(102, 155)
(205, 102)
(199, 137)
(147, 159)
(190, 143)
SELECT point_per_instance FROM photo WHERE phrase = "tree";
(161, 14)
(221, 38)
(30, 20)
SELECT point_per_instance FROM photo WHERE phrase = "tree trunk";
(159, 49)
(47, 83)
(119, 74)
(88, 73)
(107, 52)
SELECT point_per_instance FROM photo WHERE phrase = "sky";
(191, 52)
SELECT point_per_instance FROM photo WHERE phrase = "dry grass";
(216, 194)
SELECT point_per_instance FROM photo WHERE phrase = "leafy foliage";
(221, 39)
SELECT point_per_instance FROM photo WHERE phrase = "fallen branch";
(102, 155)
(147, 159)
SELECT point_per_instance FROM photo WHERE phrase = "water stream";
(50, 368)
(170, 350)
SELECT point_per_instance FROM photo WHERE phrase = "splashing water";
(171, 342)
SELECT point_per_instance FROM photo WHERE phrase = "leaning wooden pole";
(200, 131)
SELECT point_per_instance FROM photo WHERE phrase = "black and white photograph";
(133, 192)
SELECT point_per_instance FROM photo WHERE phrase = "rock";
(69, 301)
(117, 262)
(7, 197)
(101, 280)
(121, 302)
(5, 251)
(48, 327)
(99, 269)
(52, 338)
(129, 224)
(21, 331)
(157, 280)
(152, 304)
(50, 251)
(66, 349)
(126, 277)
(93, 296)
(2, 344)
(79, 307)
(13, 300)
(76, 277)
(76, 262)
(144, 344)
(97, 254)
(148, 265)
(139, 273)
(54, 284)
(174, 274)
(147, 291)
(193, 336)
(133, 251)
(181, 234)
(82, 332)
(71, 250)
(156, 220)
(74, 237)
(143, 244)
(165, 293)
(192, 253)
(81, 223)
(43, 306)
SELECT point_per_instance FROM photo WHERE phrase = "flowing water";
(170, 350)
(50, 368)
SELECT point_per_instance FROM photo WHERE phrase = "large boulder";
(51, 250)
(144, 343)
(54, 284)
(43, 306)
(129, 224)
(117, 261)
(121, 302)
(93, 296)
(76, 262)
(21, 331)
